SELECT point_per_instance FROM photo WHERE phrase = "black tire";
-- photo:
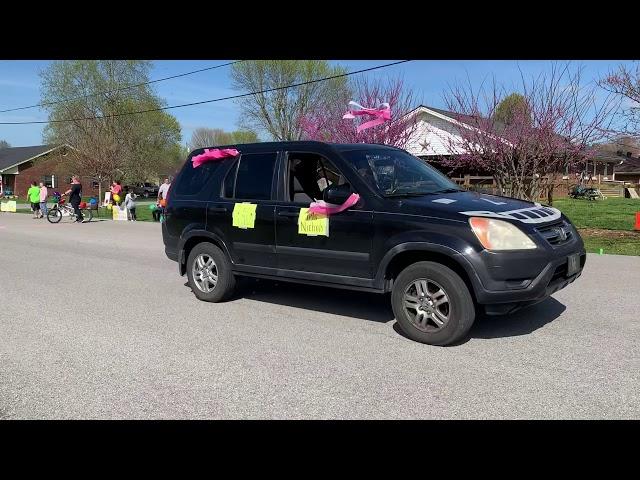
(54, 215)
(226, 281)
(87, 215)
(459, 307)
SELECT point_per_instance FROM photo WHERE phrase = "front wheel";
(432, 304)
(54, 215)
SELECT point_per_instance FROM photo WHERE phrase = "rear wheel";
(209, 273)
(432, 304)
(87, 215)
(54, 215)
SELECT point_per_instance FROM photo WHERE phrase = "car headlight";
(499, 235)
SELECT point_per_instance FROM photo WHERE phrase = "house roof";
(628, 165)
(12, 156)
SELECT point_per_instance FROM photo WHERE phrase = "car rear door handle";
(289, 214)
(218, 209)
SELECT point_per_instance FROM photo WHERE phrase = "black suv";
(444, 253)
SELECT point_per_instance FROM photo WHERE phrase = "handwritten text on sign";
(312, 224)
(244, 215)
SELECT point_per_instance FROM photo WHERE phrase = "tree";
(624, 83)
(278, 112)
(326, 123)
(209, 137)
(122, 146)
(4, 144)
(512, 108)
(562, 120)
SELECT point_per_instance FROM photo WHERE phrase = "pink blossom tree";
(325, 122)
(559, 120)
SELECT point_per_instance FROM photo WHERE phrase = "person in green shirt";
(34, 197)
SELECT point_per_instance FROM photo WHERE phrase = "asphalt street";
(96, 323)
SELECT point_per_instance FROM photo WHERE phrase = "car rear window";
(192, 180)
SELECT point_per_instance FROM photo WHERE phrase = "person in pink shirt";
(116, 189)
(43, 200)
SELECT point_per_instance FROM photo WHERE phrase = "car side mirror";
(337, 194)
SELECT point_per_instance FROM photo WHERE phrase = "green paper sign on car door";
(244, 215)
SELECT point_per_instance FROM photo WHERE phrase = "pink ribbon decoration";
(213, 154)
(325, 208)
(381, 114)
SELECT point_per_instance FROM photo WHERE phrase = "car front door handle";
(289, 214)
(218, 209)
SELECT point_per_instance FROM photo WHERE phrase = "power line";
(127, 87)
(209, 101)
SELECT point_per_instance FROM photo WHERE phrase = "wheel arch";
(403, 255)
(193, 238)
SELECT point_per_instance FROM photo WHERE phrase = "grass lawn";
(606, 224)
(609, 214)
(611, 245)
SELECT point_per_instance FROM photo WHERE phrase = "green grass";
(609, 214)
(612, 246)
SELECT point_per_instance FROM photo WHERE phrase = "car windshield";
(396, 173)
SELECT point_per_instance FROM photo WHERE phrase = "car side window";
(254, 177)
(309, 174)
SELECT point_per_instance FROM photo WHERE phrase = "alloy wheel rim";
(205, 273)
(426, 305)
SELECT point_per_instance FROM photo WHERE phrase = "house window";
(48, 181)
(95, 184)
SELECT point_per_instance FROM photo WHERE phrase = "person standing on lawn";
(163, 190)
(43, 200)
(130, 205)
(75, 197)
(34, 198)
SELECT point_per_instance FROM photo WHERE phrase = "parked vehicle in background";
(145, 189)
(443, 253)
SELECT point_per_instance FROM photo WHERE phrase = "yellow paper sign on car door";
(244, 215)
(312, 224)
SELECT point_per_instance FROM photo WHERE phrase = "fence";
(562, 186)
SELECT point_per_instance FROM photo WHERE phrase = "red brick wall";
(48, 165)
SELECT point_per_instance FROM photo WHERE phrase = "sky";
(429, 79)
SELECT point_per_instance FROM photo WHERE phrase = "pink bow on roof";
(381, 114)
(213, 154)
(329, 209)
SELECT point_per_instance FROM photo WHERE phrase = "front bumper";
(508, 281)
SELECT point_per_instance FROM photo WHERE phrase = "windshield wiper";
(408, 194)
(449, 190)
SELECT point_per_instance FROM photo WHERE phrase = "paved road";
(139, 344)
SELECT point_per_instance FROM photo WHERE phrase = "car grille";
(553, 234)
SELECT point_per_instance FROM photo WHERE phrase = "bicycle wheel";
(54, 215)
(87, 215)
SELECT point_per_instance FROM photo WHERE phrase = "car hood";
(464, 204)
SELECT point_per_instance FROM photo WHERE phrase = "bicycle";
(62, 209)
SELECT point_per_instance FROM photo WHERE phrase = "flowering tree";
(559, 121)
(325, 122)
(625, 84)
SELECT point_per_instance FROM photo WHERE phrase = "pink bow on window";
(381, 114)
(329, 209)
(213, 154)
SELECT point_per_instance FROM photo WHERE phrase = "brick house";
(19, 166)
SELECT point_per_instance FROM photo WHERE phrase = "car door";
(249, 182)
(347, 248)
